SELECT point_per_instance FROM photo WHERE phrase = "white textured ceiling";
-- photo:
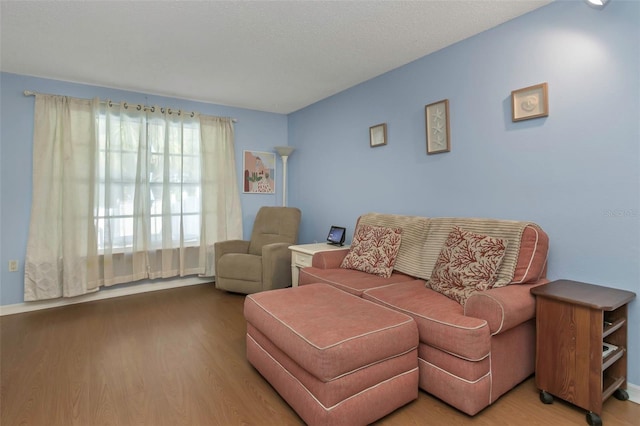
(276, 56)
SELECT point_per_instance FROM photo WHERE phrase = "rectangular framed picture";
(530, 102)
(378, 135)
(259, 171)
(437, 123)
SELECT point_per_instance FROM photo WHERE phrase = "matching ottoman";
(335, 358)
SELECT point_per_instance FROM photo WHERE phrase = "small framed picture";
(378, 135)
(530, 102)
(437, 123)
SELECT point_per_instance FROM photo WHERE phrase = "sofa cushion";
(470, 397)
(455, 366)
(441, 321)
(349, 280)
(373, 250)
(468, 262)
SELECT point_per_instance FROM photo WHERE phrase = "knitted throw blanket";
(411, 259)
(423, 239)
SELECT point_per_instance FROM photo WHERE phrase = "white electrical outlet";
(13, 266)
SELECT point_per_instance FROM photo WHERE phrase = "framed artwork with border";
(259, 172)
(378, 135)
(530, 102)
(437, 126)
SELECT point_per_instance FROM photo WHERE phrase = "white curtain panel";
(124, 193)
(60, 230)
(221, 211)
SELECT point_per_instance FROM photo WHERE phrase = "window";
(153, 164)
(122, 194)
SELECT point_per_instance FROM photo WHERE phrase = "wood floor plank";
(177, 357)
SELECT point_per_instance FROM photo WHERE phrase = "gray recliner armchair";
(264, 262)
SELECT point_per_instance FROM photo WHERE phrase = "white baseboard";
(105, 293)
(634, 392)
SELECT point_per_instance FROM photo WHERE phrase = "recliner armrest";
(331, 259)
(229, 246)
(504, 307)
(276, 266)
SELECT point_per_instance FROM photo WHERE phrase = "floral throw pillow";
(467, 263)
(374, 250)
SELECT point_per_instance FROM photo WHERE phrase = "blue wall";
(254, 130)
(576, 172)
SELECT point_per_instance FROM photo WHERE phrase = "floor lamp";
(285, 152)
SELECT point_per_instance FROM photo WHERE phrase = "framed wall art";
(378, 135)
(530, 102)
(437, 123)
(259, 170)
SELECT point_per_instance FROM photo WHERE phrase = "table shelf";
(608, 329)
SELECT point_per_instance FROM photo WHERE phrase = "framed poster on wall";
(259, 170)
(437, 123)
(530, 102)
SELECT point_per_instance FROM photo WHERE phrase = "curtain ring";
(192, 114)
(125, 106)
(110, 103)
(153, 109)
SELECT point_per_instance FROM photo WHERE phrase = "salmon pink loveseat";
(475, 344)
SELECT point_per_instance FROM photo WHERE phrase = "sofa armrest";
(504, 307)
(329, 259)
(276, 266)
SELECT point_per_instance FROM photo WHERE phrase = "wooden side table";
(574, 322)
(302, 255)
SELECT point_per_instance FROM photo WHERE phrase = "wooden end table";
(581, 344)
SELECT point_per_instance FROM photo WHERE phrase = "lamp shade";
(284, 151)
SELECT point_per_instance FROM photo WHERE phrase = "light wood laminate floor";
(177, 357)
